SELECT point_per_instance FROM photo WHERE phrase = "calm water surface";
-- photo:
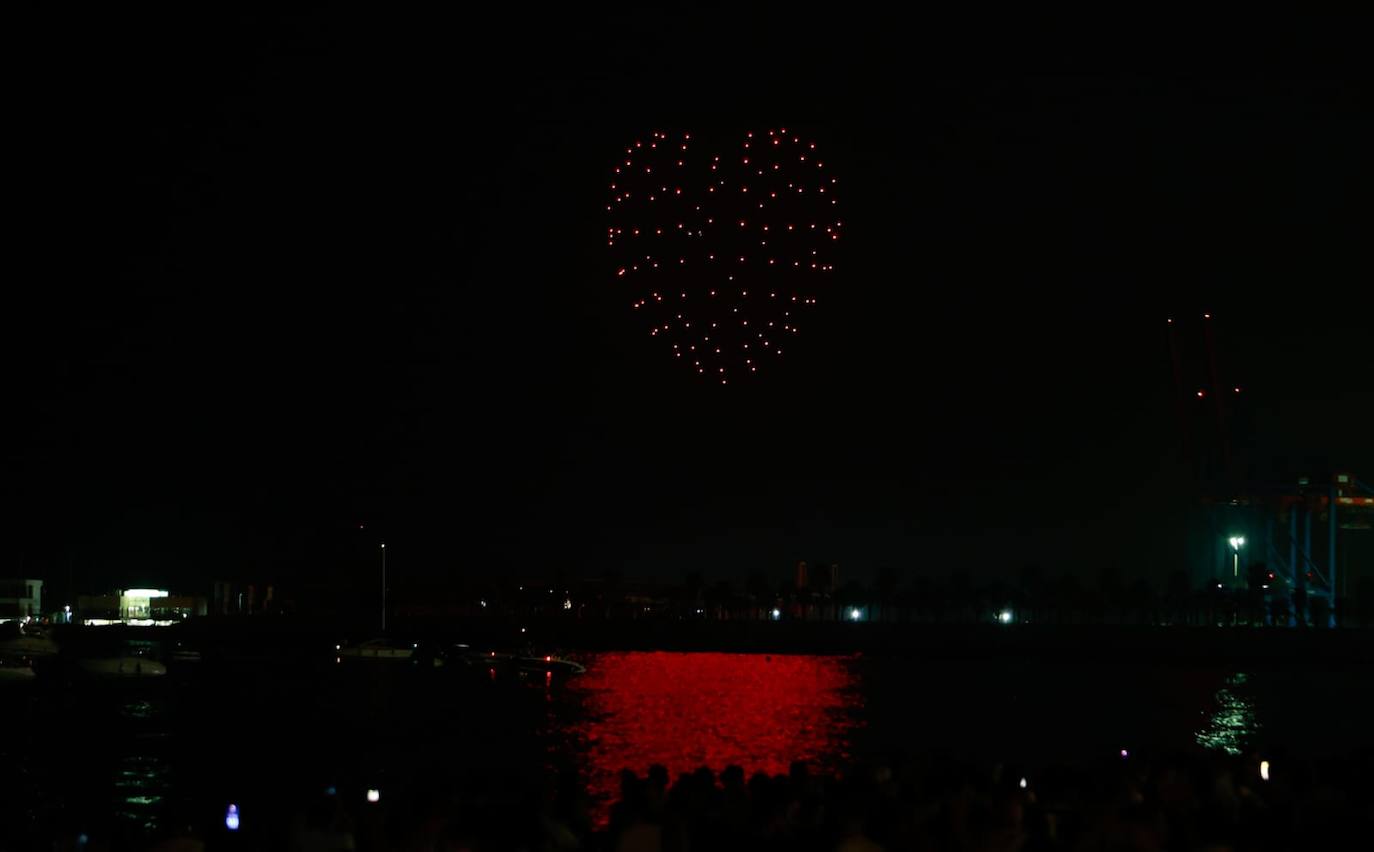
(125, 761)
(683, 711)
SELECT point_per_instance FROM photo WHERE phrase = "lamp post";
(1236, 542)
(383, 587)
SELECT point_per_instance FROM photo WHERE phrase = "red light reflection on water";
(690, 710)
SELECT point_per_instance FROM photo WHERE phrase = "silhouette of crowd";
(1190, 802)
(1195, 802)
(1186, 802)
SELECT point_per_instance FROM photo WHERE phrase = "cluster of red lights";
(721, 254)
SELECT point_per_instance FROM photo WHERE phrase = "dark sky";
(289, 274)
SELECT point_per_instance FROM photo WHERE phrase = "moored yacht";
(377, 649)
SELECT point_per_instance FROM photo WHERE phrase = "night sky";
(286, 275)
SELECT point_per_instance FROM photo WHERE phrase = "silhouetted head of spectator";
(658, 776)
(733, 777)
(631, 789)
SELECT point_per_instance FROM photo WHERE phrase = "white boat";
(549, 663)
(524, 662)
(376, 649)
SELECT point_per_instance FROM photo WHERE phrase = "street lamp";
(1237, 542)
(384, 587)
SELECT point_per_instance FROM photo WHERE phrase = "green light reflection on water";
(142, 800)
(140, 783)
(1234, 723)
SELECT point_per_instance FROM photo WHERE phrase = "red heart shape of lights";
(722, 253)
